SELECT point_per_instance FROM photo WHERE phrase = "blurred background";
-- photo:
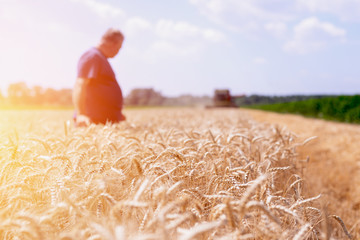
(180, 52)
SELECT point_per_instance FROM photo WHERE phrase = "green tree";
(144, 97)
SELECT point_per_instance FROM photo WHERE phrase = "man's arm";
(79, 95)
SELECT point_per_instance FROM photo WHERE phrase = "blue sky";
(272, 47)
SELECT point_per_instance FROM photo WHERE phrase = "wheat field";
(163, 174)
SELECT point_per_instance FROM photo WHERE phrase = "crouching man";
(97, 96)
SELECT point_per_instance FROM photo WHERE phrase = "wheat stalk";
(155, 177)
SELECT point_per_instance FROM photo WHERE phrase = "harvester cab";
(222, 98)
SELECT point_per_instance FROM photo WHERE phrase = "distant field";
(339, 108)
(164, 174)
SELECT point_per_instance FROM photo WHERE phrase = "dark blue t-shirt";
(103, 96)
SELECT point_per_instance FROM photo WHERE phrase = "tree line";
(20, 94)
(256, 99)
(342, 108)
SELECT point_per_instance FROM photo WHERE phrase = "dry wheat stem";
(154, 177)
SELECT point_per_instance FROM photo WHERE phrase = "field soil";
(333, 167)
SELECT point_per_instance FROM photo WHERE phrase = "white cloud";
(277, 29)
(312, 35)
(175, 30)
(245, 15)
(183, 31)
(169, 30)
(344, 9)
(213, 35)
(236, 14)
(182, 39)
(253, 17)
(259, 60)
(163, 48)
(102, 9)
(255, 9)
(167, 38)
(136, 25)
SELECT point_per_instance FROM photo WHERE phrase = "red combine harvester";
(223, 98)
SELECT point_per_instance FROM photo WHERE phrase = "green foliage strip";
(339, 108)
